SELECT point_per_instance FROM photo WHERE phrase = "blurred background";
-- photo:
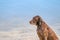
(16, 14)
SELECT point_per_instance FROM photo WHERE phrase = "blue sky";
(10, 10)
(22, 8)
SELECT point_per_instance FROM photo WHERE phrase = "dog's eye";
(34, 21)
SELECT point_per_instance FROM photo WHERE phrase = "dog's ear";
(39, 22)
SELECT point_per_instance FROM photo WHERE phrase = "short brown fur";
(43, 30)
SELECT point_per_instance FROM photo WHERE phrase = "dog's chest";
(40, 31)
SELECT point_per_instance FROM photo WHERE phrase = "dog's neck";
(39, 26)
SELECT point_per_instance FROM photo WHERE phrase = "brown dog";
(43, 30)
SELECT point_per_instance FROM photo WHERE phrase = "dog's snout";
(31, 22)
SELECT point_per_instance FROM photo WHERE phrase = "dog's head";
(36, 20)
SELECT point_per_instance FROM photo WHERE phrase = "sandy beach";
(22, 34)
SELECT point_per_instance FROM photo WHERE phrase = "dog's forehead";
(36, 17)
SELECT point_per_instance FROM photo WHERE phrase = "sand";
(23, 34)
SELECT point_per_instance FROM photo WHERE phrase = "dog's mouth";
(31, 22)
